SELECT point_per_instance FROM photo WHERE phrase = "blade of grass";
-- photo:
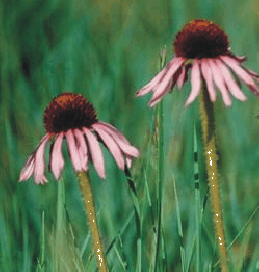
(90, 263)
(164, 256)
(120, 233)
(5, 245)
(191, 251)
(243, 228)
(160, 177)
(60, 224)
(206, 197)
(152, 139)
(85, 244)
(188, 260)
(60, 206)
(41, 260)
(180, 229)
(120, 259)
(137, 214)
(25, 239)
(243, 250)
(149, 200)
(254, 263)
(154, 230)
(240, 232)
(121, 256)
(198, 210)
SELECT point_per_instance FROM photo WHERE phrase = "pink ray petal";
(206, 72)
(153, 102)
(182, 78)
(126, 148)
(73, 151)
(229, 82)
(39, 161)
(195, 81)
(248, 79)
(155, 81)
(252, 73)
(57, 157)
(28, 169)
(218, 79)
(121, 141)
(83, 153)
(111, 129)
(239, 58)
(165, 84)
(129, 162)
(152, 84)
(111, 144)
(96, 153)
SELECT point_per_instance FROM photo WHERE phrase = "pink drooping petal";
(206, 72)
(182, 78)
(252, 73)
(229, 82)
(57, 157)
(128, 162)
(245, 76)
(96, 153)
(73, 151)
(121, 141)
(126, 148)
(28, 169)
(152, 84)
(39, 161)
(167, 81)
(83, 153)
(111, 129)
(239, 58)
(155, 81)
(195, 81)
(153, 102)
(218, 79)
(111, 144)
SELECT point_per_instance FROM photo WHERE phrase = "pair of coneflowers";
(201, 47)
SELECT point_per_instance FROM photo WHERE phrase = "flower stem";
(209, 140)
(160, 177)
(160, 129)
(197, 201)
(86, 190)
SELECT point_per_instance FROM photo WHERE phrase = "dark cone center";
(201, 39)
(68, 111)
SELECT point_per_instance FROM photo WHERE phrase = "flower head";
(203, 48)
(70, 116)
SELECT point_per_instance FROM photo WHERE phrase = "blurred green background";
(107, 50)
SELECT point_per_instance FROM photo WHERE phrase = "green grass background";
(107, 50)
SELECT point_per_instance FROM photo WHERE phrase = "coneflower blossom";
(203, 48)
(70, 116)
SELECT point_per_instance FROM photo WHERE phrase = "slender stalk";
(86, 190)
(160, 176)
(197, 201)
(209, 140)
(60, 227)
(160, 161)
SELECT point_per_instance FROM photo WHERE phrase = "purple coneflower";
(204, 48)
(72, 117)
